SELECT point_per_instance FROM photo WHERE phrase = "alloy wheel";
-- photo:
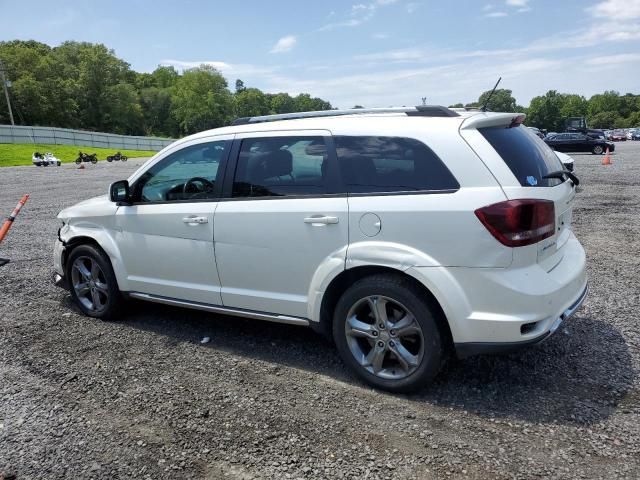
(89, 284)
(384, 337)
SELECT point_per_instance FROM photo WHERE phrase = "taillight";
(516, 223)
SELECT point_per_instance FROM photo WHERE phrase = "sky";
(375, 53)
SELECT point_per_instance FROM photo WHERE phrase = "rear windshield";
(528, 157)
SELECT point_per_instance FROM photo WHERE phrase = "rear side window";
(528, 157)
(281, 166)
(390, 164)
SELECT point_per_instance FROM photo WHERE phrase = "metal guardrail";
(66, 136)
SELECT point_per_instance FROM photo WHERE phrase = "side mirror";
(119, 192)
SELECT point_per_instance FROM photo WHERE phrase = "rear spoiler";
(491, 119)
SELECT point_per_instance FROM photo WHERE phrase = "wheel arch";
(104, 243)
(342, 281)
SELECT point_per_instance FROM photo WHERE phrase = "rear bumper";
(504, 308)
(469, 349)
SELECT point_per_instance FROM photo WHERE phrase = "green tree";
(608, 101)
(545, 112)
(156, 111)
(122, 112)
(165, 76)
(501, 101)
(604, 120)
(251, 102)
(281, 103)
(201, 100)
(239, 86)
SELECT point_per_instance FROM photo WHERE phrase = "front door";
(282, 221)
(166, 236)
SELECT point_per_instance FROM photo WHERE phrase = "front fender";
(104, 238)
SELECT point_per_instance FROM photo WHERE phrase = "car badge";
(531, 180)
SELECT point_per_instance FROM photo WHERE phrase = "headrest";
(277, 164)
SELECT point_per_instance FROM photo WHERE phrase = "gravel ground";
(142, 398)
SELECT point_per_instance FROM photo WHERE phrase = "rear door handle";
(321, 219)
(195, 220)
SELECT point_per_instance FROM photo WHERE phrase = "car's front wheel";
(597, 150)
(92, 282)
(386, 331)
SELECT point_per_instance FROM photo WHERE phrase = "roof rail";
(419, 111)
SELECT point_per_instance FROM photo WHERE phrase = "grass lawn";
(13, 154)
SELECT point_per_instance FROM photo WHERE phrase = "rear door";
(529, 160)
(281, 219)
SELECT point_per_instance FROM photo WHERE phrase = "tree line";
(549, 111)
(84, 85)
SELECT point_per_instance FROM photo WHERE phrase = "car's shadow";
(578, 376)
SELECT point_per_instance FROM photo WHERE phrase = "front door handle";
(321, 219)
(195, 220)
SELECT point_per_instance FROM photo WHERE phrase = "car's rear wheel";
(93, 283)
(597, 150)
(386, 331)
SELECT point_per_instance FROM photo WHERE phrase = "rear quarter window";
(371, 164)
(526, 155)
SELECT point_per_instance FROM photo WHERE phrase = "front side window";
(188, 174)
(390, 164)
(281, 166)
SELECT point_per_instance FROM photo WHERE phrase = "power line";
(5, 82)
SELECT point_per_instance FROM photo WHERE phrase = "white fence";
(66, 136)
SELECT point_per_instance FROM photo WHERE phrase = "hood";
(94, 207)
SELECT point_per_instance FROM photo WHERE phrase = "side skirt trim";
(219, 309)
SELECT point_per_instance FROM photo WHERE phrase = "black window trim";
(337, 188)
(217, 187)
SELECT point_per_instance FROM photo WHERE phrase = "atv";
(40, 160)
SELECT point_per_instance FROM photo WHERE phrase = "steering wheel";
(192, 189)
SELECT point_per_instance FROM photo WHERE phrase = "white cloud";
(617, 9)
(615, 59)
(284, 44)
(360, 13)
(412, 7)
(496, 14)
(380, 36)
(517, 3)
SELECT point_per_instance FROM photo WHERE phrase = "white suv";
(404, 234)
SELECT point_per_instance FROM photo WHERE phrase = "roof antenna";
(424, 100)
(486, 102)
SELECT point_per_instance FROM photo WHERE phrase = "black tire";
(597, 150)
(94, 160)
(124, 159)
(109, 159)
(114, 300)
(78, 160)
(59, 163)
(38, 164)
(408, 295)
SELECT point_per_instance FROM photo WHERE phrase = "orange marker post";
(9, 221)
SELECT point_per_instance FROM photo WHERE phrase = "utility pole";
(4, 81)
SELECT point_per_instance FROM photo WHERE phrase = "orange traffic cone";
(607, 158)
(7, 224)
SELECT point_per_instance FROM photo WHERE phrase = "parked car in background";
(406, 235)
(566, 160)
(618, 135)
(633, 134)
(536, 131)
(578, 142)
